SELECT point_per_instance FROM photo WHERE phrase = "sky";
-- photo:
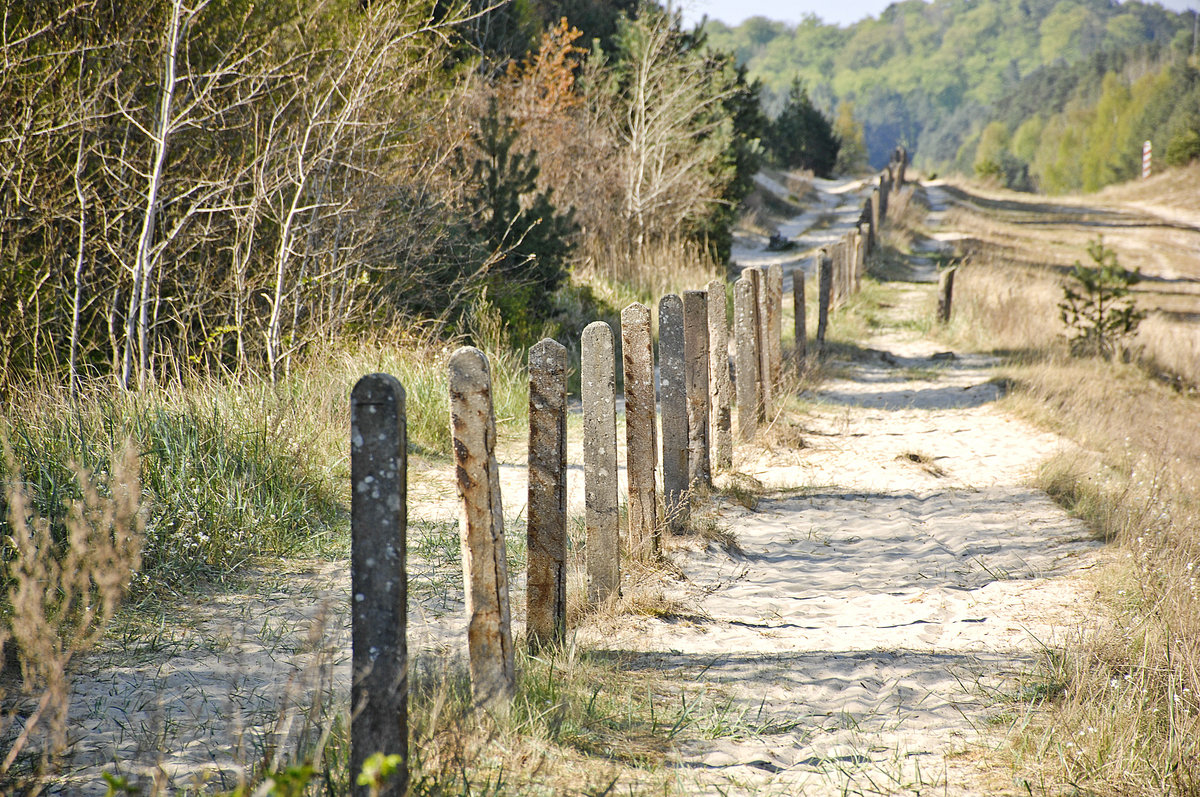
(840, 12)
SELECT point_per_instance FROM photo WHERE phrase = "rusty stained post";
(719, 385)
(378, 579)
(601, 517)
(641, 439)
(747, 360)
(485, 570)
(546, 572)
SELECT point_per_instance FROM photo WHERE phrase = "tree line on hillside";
(220, 186)
(934, 75)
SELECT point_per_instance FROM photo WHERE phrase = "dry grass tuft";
(64, 586)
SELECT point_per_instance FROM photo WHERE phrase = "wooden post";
(801, 326)
(546, 582)
(876, 216)
(719, 386)
(746, 363)
(695, 351)
(824, 286)
(378, 580)
(485, 570)
(672, 375)
(945, 294)
(641, 440)
(601, 517)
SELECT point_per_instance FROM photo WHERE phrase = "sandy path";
(849, 648)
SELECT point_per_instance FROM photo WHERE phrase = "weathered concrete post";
(485, 571)
(546, 582)
(601, 518)
(672, 375)
(801, 322)
(860, 257)
(379, 582)
(876, 215)
(719, 387)
(945, 294)
(848, 258)
(761, 336)
(824, 285)
(746, 354)
(695, 351)
(641, 440)
(835, 259)
(885, 187)
(865, 222)
(774, 278)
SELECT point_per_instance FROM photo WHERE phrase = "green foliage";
(1184, 147)
(852, 154)
(528, 239)
(1096, 307)
(933, 75)
(800, 137)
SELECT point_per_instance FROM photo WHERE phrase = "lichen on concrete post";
(719, 386)
(774, 283)
(672, 391)
(695, 350)
(485, 571)
(601, 517)
(824, 285)
(745, 358)
(801, 321)
(378, 579)
(641, 439)
(546, 572)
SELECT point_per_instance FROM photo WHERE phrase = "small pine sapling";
(1097, 309)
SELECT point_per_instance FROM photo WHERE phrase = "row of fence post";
(696, 394)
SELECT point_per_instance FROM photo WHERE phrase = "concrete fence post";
(746, 358)
(695, 349)
(641, 440)
(601, 516)
(799, 310)
(485, 570)
(824, 286)
(761, 336)
(546, 581)
(719, 386)
(378, 579)
(774, 281)
(945, 294)
(672, 375)
(876, 216)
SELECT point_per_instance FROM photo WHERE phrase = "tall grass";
(1123, 717)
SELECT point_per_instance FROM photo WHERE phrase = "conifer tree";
(801, 137)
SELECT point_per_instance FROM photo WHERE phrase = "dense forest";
(1053, 95)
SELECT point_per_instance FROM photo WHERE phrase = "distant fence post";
(860, 257)
(746, 358)
(799, 310)
(546, 580)
(720, 424)
(885, 186)
(641, 443)
(774, 281)
(876, 215)
(601, 518)
(378, 578)
(672, 374)
(945, 294)
(695, 349)
(824, 286)
(485, 571)
(761, 336)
